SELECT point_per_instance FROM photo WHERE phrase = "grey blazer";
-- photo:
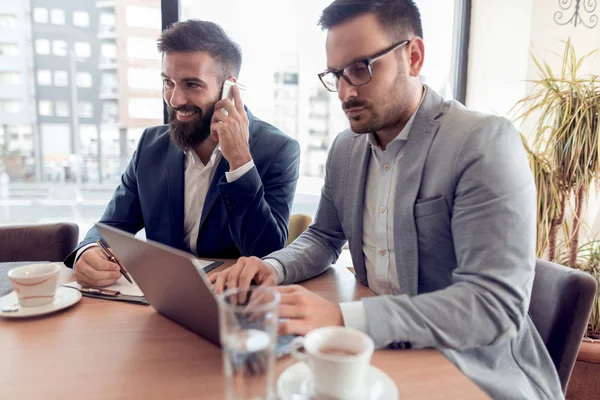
(464, 234)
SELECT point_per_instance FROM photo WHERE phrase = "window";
(45, 108)
(10, 78)
(40, 15)
(57, 16)
(284, 67)
(81, 18)
(144, 107)
(61, 78)
(59, 48)
(84, 79)
(86, 109)
(44, 77)
(143, 48)
(83, 49)
(42, 46)
(62, 109)
(9, 49)
(108, 50)
(8, 21)
(107, 19)
(11, 106)
(144, 78)
(143, 17)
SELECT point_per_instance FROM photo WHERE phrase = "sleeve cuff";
(80, 252)
(354, 315)
(277, 267)
(236, 174)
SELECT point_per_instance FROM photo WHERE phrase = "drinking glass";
(248, 329)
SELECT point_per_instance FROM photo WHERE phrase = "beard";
(389, 113)
(189, 135)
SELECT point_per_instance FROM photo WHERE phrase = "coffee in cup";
(339, 358)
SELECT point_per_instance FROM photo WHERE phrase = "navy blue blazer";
(247, 217)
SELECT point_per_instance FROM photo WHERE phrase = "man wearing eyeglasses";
(437, 203)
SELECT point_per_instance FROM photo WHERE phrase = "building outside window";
(57, 16)
(9, 50)
(40, 15)
(118, 88)
(42, 46)
(86, 109)
(61, 78)
(84, 79)
(44, 77)
(62, 109)
(10, 78)
(45, 108)
(81, 18)
(83, 49)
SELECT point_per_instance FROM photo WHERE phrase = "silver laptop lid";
(172, 281)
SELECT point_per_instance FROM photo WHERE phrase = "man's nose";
(345, 90)
(178, 98)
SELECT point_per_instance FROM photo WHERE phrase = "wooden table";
(101, 349)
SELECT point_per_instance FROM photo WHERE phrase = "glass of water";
(248, 329)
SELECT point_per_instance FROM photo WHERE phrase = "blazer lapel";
(175, 187)
(353, 206)
(410, 173)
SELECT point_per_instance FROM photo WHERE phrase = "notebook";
(126, 292)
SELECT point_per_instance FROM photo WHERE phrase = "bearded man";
(217, 184)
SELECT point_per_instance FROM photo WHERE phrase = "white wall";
(503, 33)
(498, 54)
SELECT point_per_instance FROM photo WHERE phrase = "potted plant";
(564, 155)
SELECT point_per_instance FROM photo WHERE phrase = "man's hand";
(231, 130)
(305, 311)
(242, 273)
(93, 269)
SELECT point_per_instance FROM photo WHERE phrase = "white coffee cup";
(35, 284)
(339, 358)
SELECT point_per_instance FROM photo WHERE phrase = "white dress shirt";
(197, 178)
(378, 225)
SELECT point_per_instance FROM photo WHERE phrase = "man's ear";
(416, 52)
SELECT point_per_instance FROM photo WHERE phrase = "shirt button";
(382, 252)
(382, 210)
(387, 167)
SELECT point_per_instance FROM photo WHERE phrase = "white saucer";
(65, 297)
(295, 383)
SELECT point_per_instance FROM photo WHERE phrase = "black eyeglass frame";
(367, 61)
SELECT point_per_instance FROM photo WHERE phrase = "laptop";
(174, 283)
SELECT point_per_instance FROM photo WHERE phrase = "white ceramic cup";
(339, 358)
(35, 284)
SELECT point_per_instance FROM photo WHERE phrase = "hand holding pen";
(112, 258)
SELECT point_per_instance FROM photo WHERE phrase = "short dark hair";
(396, 16)
(195, 35)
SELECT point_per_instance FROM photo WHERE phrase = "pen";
(105, 292)
(112, 258)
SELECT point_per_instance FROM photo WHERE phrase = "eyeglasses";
(357, 73)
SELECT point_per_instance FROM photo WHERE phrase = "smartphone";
(227, 94)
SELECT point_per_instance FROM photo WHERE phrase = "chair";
(47, 242)
(298, 224)
(561, 302)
